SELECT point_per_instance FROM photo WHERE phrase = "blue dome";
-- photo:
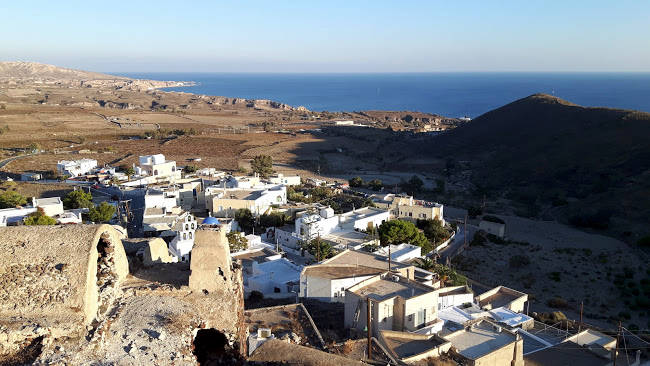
(211, 221)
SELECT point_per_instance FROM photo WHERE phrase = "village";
(261, 267)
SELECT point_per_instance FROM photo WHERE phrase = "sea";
(447, 94)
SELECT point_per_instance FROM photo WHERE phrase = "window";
(187, 227)
(410, 318)
(192, 226)
(276, 290)
(190, 235)
(410, 214)
(184, 236)
(342, 289)
(424, 215)
(155, 172)
(336, 294)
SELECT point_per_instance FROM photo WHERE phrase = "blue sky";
(329, 36)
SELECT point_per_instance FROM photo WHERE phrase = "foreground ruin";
(67, 297)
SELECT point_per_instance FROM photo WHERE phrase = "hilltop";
(22, 70)
(582, 163)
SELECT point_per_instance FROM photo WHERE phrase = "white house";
(401, 253)
(51, 206)
(224, 202)
(286, 180)
(157, 166)
(75, 168)
(276, 278)
(325, 223)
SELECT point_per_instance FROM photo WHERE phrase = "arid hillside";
(583, 165)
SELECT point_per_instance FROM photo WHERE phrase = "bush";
(11, 199)
(478, 240)
(39, 218)
(319, 249)
(644, 241)
(262, 165)
(400, 231)
(190, 169)
(256, 296)
(101, 213)
(375, 185)
(518, 261)
(356, 182)
(555, 276)
(236, 241)
(598, 220)
(78, 199)
(245, 219)
(558, 302)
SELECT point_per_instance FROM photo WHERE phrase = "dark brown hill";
(542, 149)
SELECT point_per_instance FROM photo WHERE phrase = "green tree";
(413, 185)
(426, 264)
(318, 248)
(273, 219)
(128, 170)
(262, 165)
(33, 147)
(245, 219)
(400, 231)
(236, 241)
(101, 213)
(190, 169)
(11, 199)
(375, 185)
(433, 230)
(39, 218)
(78, 199)
(356, 182)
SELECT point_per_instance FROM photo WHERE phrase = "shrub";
(78, 199)
(189, 169)
(39, 218)
(101, 213)
(478, 240)
(558, 302)
(518, 261)
(644, 241)
(597, 220)
(11, 199)
(356, 182)
(236, 241)
(256, 296)
(555, 276)
(262, 165)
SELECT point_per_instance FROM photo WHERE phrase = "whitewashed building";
(158, 167)
(75, 168)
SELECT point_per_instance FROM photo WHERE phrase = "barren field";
(566, 264)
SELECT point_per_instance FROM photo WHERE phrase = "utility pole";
(389, 258)
(465, 235)
(616, 348)
(369, 330)
(581, 307)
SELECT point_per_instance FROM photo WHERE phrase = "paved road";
(455, 246)
(9, 160)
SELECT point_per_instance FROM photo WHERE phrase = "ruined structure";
(61, 280)
(211, 261)
(66, 297)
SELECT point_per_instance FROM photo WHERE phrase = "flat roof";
(47, 201)
(341, 271)
(565, 354)
(386, 288)
(257, 255)
(405, 346)
(479, 340)
(364, 259)
(501, 298)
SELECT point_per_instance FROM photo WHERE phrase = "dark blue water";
(448, 94)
